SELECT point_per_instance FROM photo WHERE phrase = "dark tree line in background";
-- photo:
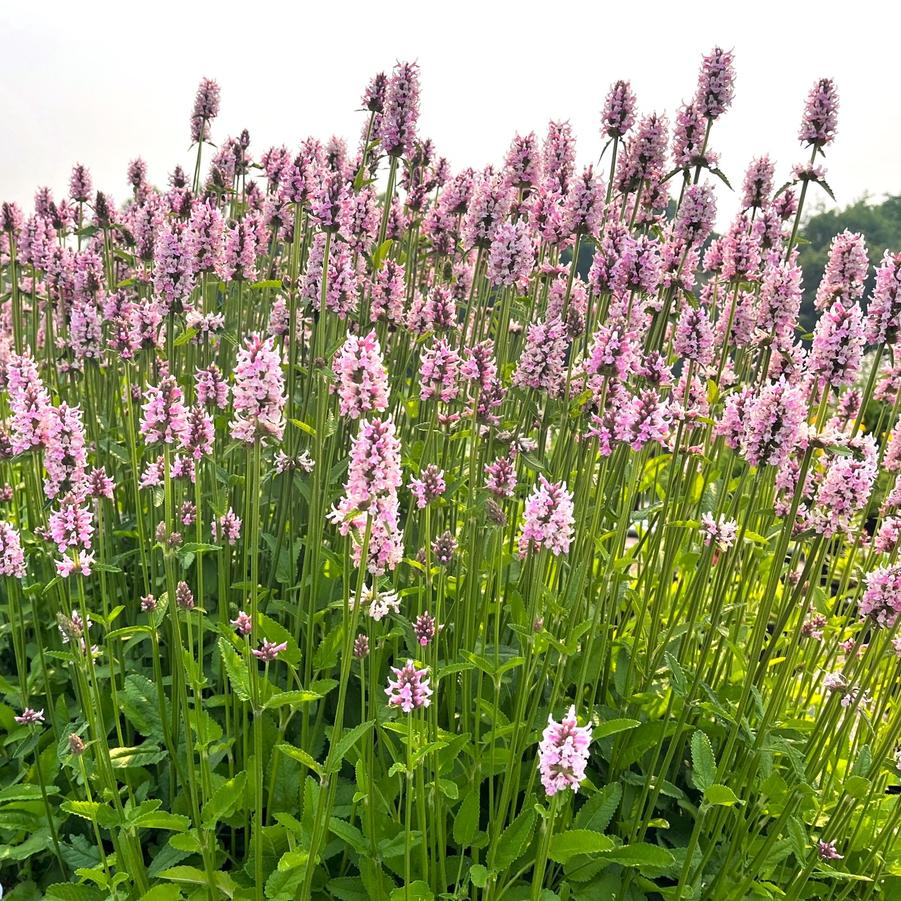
(880, 223)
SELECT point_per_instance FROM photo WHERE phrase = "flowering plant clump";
(370, 529)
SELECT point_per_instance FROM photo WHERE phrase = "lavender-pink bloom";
(409, 689)
(618, 115)
(773, 424)
(362, 377)
(543, 359)
(884, 310)
(563, 753)
(837, 349)
(584, 204)
(716, 83)
(439, 372)
(164, 417)
(820, 117)
(882, 599)
(758, 183)
(846, 270)
(397, 129)
(694, 336)
(206, 108)
(511, 256)
(522, 167)
(259, 392)
(547, 519)
(12, 557)
(429, 486)
(559, 156)
(696, 215)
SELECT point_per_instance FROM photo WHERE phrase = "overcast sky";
(103, 82)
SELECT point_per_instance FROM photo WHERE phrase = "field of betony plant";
(374, 530)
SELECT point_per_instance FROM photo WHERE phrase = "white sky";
(103, 82)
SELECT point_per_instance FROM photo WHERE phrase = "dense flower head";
(65, 454)
(487, 209)
(501, 477)
(542, 364)
(259, 392)
(884, 310)
(618, 115)
(29, 402)
(80, 184)
(773, 421)
(642, 419)
(780, 296)
(838, 341)
(583, 207)
(409, 689)
(428, 486)
(522, 165)
(559, 156)
(397, 128)
(424, 629)
(362, 377)
(696, 215)
(387, 297)
(694, 336)
(439, 372)
(547, 519)
(30, 717)
(563, 753)
(645, 155)
(758, 183)
(844, 487)
(846, 270)
(511, 256)
(206, 108)
(716, 83)
(720, 532)
(164, 417)
(690, 138)
(12, 556)
(820, 117)
(882, 599)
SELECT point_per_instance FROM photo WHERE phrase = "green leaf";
(191, 875)
(25, 791)
(236, 668)
(349, 835)
(302, 756)
(716, 795)
(641, 855)
(67, 891)
(702, 760)
(415, 891)
(141, 755)
(612, 727)
(466, 822)
(345, 743)
(93, 811)
(381, 254)
(162, 893)
(515, 839)
(577, 841)
(161, 819)
(598, 810)
(283, 883)
(292, 699)
(185, 336)
(479, 875)
(139, 700)
(225, 800)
